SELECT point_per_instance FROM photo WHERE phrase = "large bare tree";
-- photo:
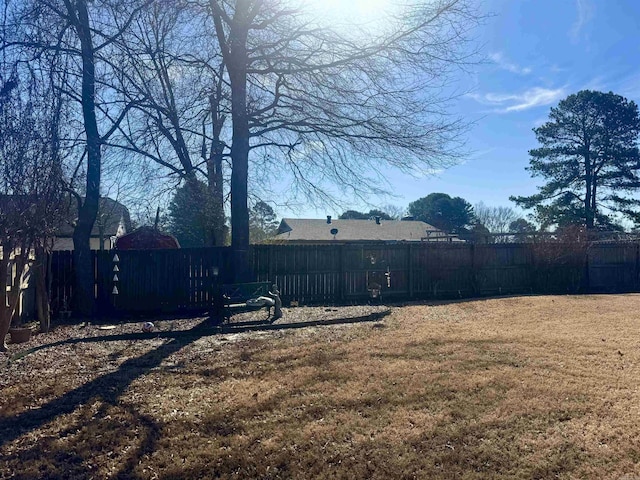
(495, 219)
(82, 34)
(327, 105)
(309, 102)
(176, 86)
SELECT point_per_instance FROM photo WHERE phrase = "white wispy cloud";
(499, 59)
(536, 97)
(517, 102)
(586, 10)
(557, 69)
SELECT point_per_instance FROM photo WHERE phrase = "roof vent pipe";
(328, 218)
(377, 220)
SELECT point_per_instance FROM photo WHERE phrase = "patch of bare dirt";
(61, 333)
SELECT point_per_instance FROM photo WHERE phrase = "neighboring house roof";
(320, 230)
(112, 217)
(146, 238)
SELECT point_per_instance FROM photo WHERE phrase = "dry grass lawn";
(524, 387)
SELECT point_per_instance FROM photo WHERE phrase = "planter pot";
(20, 335)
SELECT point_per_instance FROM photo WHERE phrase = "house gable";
(112, 220)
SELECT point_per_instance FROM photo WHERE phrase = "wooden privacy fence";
(342, 273)
(177, 280)
(145, 281)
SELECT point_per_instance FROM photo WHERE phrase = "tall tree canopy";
(589, 159)
(192, 218)
(247, 94)
(263, 222)
(453, 215)
(327, 105)
(356, 215)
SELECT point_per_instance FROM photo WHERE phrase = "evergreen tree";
(452, 215)
(262, 222)
(521, 225)
(191, 215)
(356, 215)
(589, 160)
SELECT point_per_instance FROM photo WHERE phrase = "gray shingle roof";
(306, 230)
(110, 213)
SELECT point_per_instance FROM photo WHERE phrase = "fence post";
(341, 281)
(474, 273)
(410, 268)
(637, 272)
(587, 273)
(270, 255)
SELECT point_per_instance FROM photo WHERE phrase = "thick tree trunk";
(237, 68)
(588, 209)
(240, 212)
(594, 205)
(84, 297)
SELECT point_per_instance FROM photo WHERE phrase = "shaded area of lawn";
(93, 426)
(508, 388)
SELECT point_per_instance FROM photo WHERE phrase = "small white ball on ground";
(147, 327)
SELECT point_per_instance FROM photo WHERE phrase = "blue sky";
(537, 52)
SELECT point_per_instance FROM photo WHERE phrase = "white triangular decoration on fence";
(115, 268)
(115, 290)
(115, 278)
(116, 258)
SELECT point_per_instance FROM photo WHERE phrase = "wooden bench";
(235, 295)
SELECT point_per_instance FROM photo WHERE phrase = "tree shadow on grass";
(205, 329)
(107, 388)
(108, 442)
(110, 387)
